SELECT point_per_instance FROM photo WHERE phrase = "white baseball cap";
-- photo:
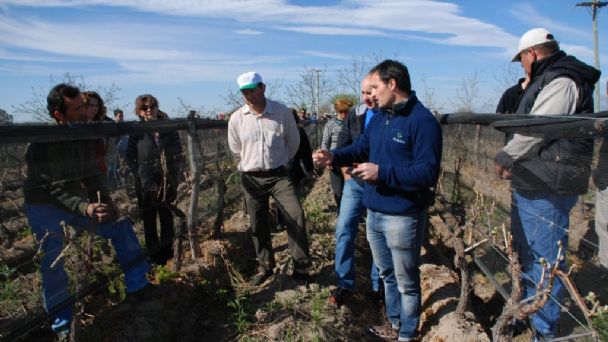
(249, 80)
(532, 38)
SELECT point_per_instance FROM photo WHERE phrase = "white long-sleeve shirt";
(265, 141)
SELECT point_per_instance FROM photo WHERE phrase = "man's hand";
(101, 212)
(345, 174)
(502, 172)
(322, 158)
(366, 171)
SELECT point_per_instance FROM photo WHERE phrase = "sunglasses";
(146, 107)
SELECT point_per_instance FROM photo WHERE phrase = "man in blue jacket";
(402, 147)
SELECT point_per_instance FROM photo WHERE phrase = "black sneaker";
(301, 277)
(260, 277)
(145, 294)
(339, 296)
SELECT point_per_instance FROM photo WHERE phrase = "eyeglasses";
(525, 52)
(146, 107)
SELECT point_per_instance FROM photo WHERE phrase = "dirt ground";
(212, 299)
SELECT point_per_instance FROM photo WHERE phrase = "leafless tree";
(35, 107)
(312, 82)
(233, 99)
(507, 76)
(185, 109)
(348, 79)
(467, 98)
(428, 96)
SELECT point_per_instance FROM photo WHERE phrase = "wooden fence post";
(476, 147)
(221, 192)
(193, 153)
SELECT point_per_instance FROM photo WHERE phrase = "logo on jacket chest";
(398, 136)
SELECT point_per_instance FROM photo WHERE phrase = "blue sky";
(195, 49)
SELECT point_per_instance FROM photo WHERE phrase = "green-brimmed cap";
(249, 80)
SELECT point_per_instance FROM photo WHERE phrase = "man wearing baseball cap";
(547, 175)
(264, 136)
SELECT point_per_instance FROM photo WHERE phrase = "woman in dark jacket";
(156, 161)
(302, 167)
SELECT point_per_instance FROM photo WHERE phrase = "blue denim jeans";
(46, 218)
(538, 222)
(347, 227)
(396, 241)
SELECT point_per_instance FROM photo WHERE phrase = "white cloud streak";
(176, 49)
(249, 32)
(365, 17)
(323, 54)
(527, 13)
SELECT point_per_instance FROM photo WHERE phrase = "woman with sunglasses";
(156, 161)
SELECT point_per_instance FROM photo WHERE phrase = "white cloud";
(87, 41)
(249, 32)
(527, 13)
(333, 31)
(363, 17)
(323, 54)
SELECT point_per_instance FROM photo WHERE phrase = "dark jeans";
(160, 250)
(336, 181)
(257, 192)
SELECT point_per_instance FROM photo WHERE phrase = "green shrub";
(163, 274)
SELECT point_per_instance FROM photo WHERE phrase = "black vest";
(560, 166)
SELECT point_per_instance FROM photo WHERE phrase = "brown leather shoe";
(385, 332)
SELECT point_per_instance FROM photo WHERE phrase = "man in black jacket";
(352, 209)
(510, 98)
(547, 174)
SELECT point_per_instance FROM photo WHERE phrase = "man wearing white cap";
(264, 135)
(547, 175)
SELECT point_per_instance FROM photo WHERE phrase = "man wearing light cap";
(264, 135)
(547, 175)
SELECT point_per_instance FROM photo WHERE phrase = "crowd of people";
(383, 156)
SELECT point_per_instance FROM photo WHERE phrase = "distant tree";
(507, 77)
(313, 86)
(353, 98)
(428, 96)
(35, 107)
(185, 108)
(349, 78)
(233, 99)
(467, 99)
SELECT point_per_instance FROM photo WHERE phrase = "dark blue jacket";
(406, 143)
